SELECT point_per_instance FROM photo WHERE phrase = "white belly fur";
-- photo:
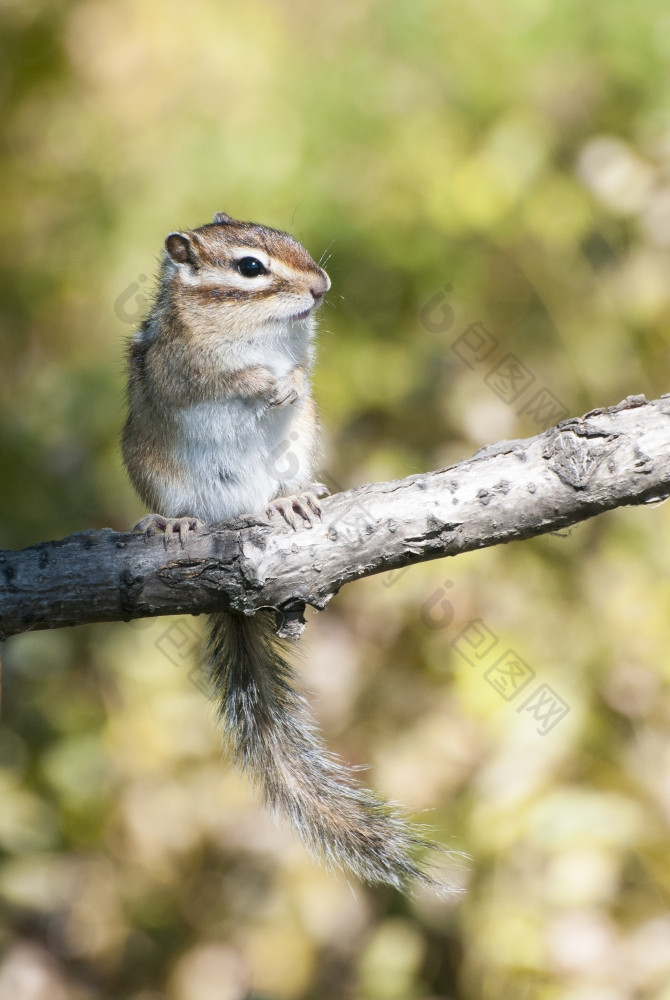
(239, 455)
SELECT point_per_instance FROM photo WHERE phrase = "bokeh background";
(503, 165)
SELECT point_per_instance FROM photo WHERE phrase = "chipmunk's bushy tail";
(274, 740)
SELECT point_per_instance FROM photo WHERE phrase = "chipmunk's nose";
(320, 286)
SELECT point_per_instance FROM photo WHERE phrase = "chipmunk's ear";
(180, 249)
(222, 217)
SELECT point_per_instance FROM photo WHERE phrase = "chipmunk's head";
(260, 275)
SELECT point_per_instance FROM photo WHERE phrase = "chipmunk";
(218, 378)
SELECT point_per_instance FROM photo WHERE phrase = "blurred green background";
(518, 154)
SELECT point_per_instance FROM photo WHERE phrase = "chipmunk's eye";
(250, 267)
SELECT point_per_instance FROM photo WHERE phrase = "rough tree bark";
(510, 490)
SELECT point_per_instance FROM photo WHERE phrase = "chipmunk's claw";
(170, 526)
(306, 504)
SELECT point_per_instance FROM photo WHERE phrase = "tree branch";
(507, 491)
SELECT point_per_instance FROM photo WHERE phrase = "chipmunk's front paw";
(306, 504)
(170, 526)
(287, 390)
(283, 395)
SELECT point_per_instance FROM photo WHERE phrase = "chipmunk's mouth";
(302, 315)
